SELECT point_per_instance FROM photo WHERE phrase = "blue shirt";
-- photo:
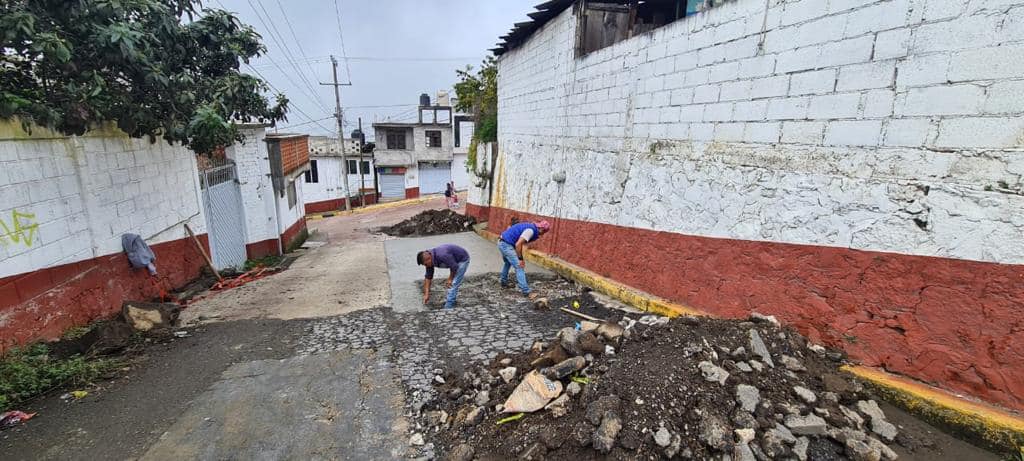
(512, 234)
(446, 257)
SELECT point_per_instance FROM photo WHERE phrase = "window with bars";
(433, 138)
(396, 140)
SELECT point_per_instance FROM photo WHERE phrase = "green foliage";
(477, 94)
(29, 371)
(158, 68)
(266, 261)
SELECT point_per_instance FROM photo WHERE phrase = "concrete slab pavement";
(404, 274)
(341, 405)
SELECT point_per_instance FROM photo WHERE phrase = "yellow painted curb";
(641, 300)
(374, 207)
(983, 424)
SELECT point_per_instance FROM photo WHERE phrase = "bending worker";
(512, 245)
(451, 257)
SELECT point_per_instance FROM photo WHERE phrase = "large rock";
(714, 432)
(806, 425)
(712, 372)
(143, 316)
(805, 394)
(104, 338)
(507, 374)
(748, 397)
(758, 348)
(604, 436)
(878, 423)
(568, 338)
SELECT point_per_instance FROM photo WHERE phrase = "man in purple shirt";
(451, 257)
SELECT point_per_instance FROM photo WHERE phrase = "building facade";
(415, 158)
(851, 167)
(324, 185)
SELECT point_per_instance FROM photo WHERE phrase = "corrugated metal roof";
(522, 30)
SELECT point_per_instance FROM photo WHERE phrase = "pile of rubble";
(431, 222)
(651, 388)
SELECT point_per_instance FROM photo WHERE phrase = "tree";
(157, 68)
(477, 94)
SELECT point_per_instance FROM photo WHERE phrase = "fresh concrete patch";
(325, 406)
(404, 273)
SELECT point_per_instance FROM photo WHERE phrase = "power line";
(341, 36)
(317, 59)
(299, 110)
(295, 37)
(305, 123)
(272, 31)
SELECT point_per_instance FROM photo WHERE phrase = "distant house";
(324, 185)
(414, 158)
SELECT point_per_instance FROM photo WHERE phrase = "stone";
(482, 398)
(573, 389)
(146, 316)
(506, 361)
(739, 352)
(589, 344)
(744, 435)
(855, 418)
(559, 407)
(416, 440)
(568, 338)
(756, 316)
(597, 408)
(461, 452)
(610, 331)
(541, 304)
(792, 363)
(507, 374)
(860, 451)
(713, 432)
(742, 452)
(774, 441)
(744, 367)
(806, 425)
(743, 419)
(758, 348)
(800, 448)
(756, 365)
(712, 372)
(564, 368)
(673, 446)
(587, 325)
(437, 418)
(805, 394)
(438, 379)
(604, 436)
(474, 417)
(553, 355)
(748, 397)
(887, 453)
(816, 348)
(537, 347)
(878, 423)
(662, 437)
(609, 350)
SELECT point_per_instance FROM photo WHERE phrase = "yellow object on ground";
(79, 394)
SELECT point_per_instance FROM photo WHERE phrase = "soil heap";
(431, 222)
(651, 388)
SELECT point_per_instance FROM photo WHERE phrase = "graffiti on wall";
(20, 229)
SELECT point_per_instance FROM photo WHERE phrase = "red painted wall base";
(952, 323)
(412, 192)
(261, 249)
(480, 213)
(325, 206)
(292, 233)
(41, 305)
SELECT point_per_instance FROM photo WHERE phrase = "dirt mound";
(431, 222)
(690, 388)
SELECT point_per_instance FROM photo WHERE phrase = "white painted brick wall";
(848, 105)
(75, 196)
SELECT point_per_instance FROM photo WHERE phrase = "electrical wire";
(297, 108)
(295, 37)
(341, 36)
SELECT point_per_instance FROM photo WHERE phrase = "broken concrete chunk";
(482, 398)
(610, 331)
(532, 394)
(748, 397)
(744, 367)
(800, 448)
(565, 368)
(462, 452)
(416, 439)
(745, 435)
(604, 436)
(652, 320)
(568, 338)
(853, 417)
(805, 394)
(806, 425)
(662, 437)
(597, 408)
(758, 348)
(573, 389)
(878, 423)
(756, 316)
(587, 325)
(559, 407)
(474, 416)
(712, 372)
(742, 452)
(713, 432)
(792, 363)
(144, 316)
(507, 374)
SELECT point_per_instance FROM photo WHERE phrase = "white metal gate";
(392, 186)
(434, 176)
(225, 221)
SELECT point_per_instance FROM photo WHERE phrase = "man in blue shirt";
(512, 244)
(451, 257)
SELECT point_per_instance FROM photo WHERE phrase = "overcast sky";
(397, 49)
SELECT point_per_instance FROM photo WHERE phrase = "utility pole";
(362, 171)
(341, 129)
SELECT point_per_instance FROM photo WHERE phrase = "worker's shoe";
(506, 285)
(531, 296)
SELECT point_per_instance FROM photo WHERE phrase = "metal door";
(225, 219)
(434, 176)
(392, 186)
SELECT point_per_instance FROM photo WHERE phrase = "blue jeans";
(453, 292)
(508, 253)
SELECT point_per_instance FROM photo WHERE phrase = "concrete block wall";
(65, 202)
(880, 127)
